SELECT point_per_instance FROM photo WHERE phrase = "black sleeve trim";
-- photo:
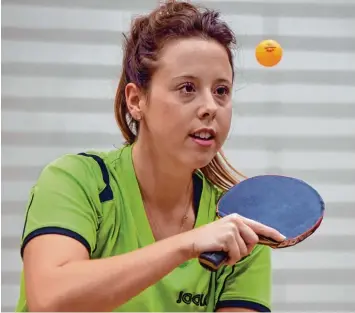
(242, 304)
(107, 193)
(55, 231)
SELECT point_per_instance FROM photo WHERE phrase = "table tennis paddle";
(287, 204)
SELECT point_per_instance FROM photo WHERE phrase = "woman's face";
(188, 114)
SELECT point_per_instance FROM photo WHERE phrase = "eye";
(222, 91)
(187, 88)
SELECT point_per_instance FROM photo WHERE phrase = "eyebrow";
(185, 77)
(192, 77)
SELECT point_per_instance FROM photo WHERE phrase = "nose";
(208, 108)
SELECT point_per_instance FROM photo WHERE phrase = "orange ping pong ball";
(268, 53)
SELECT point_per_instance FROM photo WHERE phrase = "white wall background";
(60, 64)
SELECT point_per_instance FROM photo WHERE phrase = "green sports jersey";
(95, 199)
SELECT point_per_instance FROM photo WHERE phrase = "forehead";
(193, 56)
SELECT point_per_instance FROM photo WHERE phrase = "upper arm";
(247, 284)
(64, 207)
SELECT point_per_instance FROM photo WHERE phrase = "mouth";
(204, 134)
(204, 137)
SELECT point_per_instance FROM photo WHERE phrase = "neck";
(162, 184)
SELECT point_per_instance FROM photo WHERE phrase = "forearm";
(104, 284)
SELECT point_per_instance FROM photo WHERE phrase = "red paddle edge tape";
(300, 238)
(287, 242)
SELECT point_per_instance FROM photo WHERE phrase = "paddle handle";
(212, 261)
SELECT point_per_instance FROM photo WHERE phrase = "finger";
(243, 250)
(233, 250)
(263, 230)
(249, 236)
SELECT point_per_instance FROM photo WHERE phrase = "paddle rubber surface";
(286, 204)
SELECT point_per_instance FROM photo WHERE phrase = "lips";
(204, 134)
(203, 137)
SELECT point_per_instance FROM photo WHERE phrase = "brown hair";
(148, 35)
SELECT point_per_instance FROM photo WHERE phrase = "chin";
(197, 162)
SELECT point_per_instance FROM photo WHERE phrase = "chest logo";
(199, 299)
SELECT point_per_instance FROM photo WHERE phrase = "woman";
(121, 231)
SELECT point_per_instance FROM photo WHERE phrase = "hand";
(233, 234)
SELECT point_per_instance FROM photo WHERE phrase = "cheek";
(224, 120)
(162, 117)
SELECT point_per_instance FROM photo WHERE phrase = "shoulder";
(84, 162)
(80, 166)
(89, 169)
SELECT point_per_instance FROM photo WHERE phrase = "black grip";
(212, 261)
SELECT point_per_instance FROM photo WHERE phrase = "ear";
(135, 99)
